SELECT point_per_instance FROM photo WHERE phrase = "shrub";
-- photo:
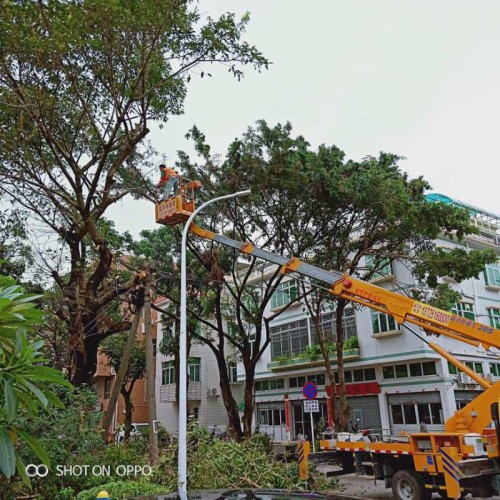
(122, 489)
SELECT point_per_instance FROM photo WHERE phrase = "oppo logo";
(33, 470)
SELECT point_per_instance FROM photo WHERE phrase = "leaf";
(21, 470)
(11, 401)
(7, 455)
(35, 445)
(38, 393)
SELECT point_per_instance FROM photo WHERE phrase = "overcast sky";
(417, 78)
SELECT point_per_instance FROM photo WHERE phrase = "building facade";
(394, 380)
(205, 403)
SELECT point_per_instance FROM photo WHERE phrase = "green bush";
(218, 464)
(351, 343)
(123, 489)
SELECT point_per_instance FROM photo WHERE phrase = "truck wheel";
(408, 485)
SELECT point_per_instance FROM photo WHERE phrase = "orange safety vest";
(167, 173)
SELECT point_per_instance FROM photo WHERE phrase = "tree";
(81, 83)
(15, 254)
(113, 348)
(25, 381)
(383, 216)
(318, 206)
(228, 307)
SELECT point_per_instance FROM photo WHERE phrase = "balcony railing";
(294, 362)
(167, 392)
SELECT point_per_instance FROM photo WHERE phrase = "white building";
(394, 380)
(204, 394)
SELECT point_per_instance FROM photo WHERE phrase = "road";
(352, 486)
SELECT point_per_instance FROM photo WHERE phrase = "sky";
(420, 79)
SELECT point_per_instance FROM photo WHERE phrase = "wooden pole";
(115, 392)
(150, 375)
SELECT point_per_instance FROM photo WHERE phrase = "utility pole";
(127, 350)
(150, 374)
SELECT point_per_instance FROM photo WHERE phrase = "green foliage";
(122, 489)
(24, 380)
(443, 297)
(81, 83)
(113, 348)
(68, 435)
(457, 263)
(214, 464)
(351, 343)
(15, 254)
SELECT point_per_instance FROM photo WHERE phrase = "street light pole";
(182, 444)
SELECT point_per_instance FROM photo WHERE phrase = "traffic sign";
(311, 406)
(310, 391)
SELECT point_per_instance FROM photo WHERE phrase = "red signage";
(361, 389)
(287, 413)
(166, 209)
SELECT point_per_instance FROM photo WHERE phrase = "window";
(416, 370)
(494, 315)
(155, 346)
(285, 293)
(388, 372)
(358, 375)
(429, 368)
(475, 366)
(492, 274)
(194, 369)
(195, 414)
(464, 309)
(289, 339)
(370, 374)
(452, 369)
(269, 416)
(413, 370)
(270, 385)
(495, 369)
(383, 266)
(167, 373)
(328, 329)
(414, 413)
(383, 322)
(107, 388)
(232, 372)
(430, 413)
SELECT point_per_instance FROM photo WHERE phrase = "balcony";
(312, 357)
(167, 392)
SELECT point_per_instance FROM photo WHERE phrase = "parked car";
(137, 430)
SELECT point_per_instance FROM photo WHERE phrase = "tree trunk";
(249, 400)
(228, 400)
(343, 416)
(129, 407)
(328, 369)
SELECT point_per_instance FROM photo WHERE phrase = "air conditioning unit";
(213, 392)
(463, 378)
(489, 377)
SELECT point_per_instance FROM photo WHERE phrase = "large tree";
(388, 218)
(227, 303)
(81, 83)
(318, 206)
